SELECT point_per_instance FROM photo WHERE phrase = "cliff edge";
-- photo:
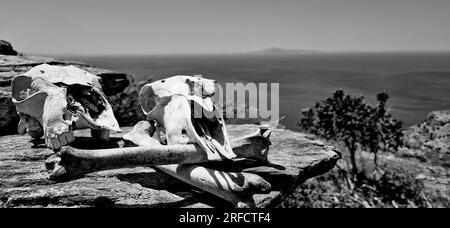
(120, 88)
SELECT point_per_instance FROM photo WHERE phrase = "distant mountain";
(280, 51)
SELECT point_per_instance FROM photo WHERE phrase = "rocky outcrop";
(430, 140)
(8, 114)
(120, 88)
(6, 48)
(24, 177)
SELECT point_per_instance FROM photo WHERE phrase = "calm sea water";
(416, 82)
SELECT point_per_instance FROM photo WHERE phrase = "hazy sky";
(210, 26)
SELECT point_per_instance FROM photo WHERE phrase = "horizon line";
(320, 52)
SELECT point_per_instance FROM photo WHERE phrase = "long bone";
(234, 187)
(76, 162)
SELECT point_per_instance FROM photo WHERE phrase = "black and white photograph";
(224, 104)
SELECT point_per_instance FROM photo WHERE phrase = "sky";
(103, 27)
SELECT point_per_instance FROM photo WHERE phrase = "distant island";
(280, 51)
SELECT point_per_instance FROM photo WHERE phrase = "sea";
(417, 83)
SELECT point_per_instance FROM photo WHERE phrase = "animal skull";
(182, 107)
(52, 101)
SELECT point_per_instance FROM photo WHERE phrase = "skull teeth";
(57, 141)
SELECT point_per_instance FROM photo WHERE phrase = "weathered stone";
(8, 115)
(441, 145)
(6, 48)
(440, 117)
(24, 175)
(415, 137)
(442, 132)
(431, 138)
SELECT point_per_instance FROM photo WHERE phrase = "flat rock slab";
(24, 183)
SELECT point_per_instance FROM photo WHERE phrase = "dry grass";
(397, 182)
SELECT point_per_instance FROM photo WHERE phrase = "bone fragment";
(235, 187)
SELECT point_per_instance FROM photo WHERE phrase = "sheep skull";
(182, 107)
(52, 101)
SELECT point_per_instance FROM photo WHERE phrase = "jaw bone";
(187, 116)
(56, 100)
